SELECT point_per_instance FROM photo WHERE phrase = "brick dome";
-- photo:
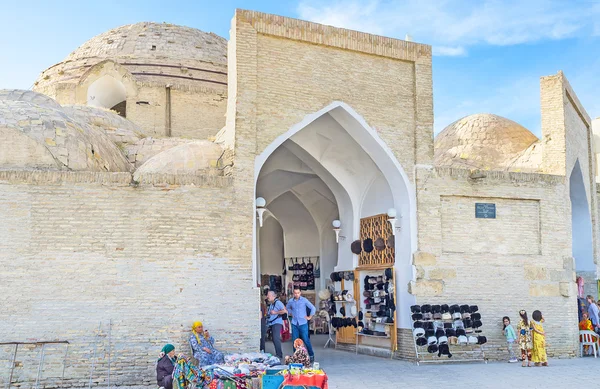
(154, 40)
(481, 141)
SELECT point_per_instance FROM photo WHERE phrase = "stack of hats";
(439, 326)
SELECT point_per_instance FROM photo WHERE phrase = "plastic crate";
(275, 381)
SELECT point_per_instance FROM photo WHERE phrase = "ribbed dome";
(190, 158)
(481, 141)
(154, 40)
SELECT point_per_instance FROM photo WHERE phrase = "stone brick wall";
(459, 260)
(77, 249)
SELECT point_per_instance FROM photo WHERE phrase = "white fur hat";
(472, 340)
(432, 340)
(462, 339)
(324, 294)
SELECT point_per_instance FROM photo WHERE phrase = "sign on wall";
(485, 210)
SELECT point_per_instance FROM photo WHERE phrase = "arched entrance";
(108, 92)
(330, 166)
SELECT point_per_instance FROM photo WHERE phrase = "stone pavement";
(346, 370)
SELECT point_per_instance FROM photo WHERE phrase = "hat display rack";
(344, 313)
(447, 333)
(377, 303)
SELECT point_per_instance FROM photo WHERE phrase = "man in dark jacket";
(165, 366)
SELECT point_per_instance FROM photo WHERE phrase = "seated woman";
(585, 325)
(165, 366)
(300, 355)
(203, 346)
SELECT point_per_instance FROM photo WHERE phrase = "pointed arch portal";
(332, 165)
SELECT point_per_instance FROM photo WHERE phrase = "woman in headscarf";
(203, 346)
(165, 366)
(300, 355)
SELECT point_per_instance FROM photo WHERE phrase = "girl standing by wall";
(525, 342)
(511, 338)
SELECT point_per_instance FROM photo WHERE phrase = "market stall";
(246, 371)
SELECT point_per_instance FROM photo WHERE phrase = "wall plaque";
(485, 210)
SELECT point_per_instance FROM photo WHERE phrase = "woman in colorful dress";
(538, 356)
(525, 341)
(203, 346)
(300, 355)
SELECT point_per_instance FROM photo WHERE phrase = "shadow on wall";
(581, 223)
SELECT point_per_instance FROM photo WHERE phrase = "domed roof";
(29, 96)
(190, 158)
(121, 131)
(154, 40)
(35, 136)
(481, 141)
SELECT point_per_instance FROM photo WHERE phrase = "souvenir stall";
(376, 258)
(247, 371)
(363, 309)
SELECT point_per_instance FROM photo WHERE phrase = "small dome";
(147, 148)
(191, 158)
(29, 96)
(481, 141)
(121, 131)
(66, 144)
(154, 40)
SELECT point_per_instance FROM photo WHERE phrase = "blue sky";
(489, 55)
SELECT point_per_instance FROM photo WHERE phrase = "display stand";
(460, 352)
(377, 325)
(345, 335)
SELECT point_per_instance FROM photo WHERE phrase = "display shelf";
(346, 302)
(468, 352)
(374, 336)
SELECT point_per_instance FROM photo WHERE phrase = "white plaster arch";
(402, 189)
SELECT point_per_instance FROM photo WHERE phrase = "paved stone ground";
(346, 370)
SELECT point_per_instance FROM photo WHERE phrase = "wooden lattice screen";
(376, 227)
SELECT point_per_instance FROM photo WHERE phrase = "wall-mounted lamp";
(337, 228)
(260, 209)
(392, 219)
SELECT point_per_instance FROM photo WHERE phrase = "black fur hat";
(474, 308)
(440, 332)
(388, 273)
(425, 308)
(464, 309)
(476, 316)
(415, 309)
(428, 325)
(454, 308)
(481, 340)
(421, 341)
(360, 315)
(368, 245)
(447, 325)
(417, 316)
(450, 332)
(436, 308)
(444, 350)
(418, 324)
(468, 323)
(445, 308)
(477, 323)
(432, 348)
(429, 333)
(461, 332)
(356, 247)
